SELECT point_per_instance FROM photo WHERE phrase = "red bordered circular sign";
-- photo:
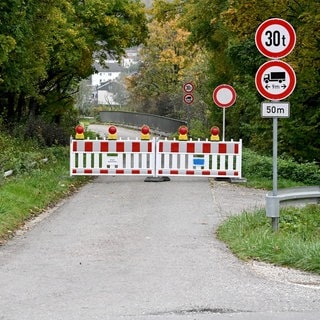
(188, 87)
(224, 96)
(188, 98)
(275, 80)
(275, 38)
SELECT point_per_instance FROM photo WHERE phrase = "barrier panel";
(156, 158)
(199, 158)
(112, 157)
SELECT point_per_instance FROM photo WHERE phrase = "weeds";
(258, 170)
(296, 244)
(29, 193)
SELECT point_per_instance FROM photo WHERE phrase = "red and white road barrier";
(112, 157)
(156, 158)
(199, 158)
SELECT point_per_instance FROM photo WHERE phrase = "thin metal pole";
(275, 220)
(275, 156)
(224, 124)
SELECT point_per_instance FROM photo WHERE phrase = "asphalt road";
(122, 248)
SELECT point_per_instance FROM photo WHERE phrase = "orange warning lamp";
(112, 135)
(145, 132)
(79, 131)
(215, 134)
(183, 133)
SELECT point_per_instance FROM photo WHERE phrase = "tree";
(227, 29)
(51, 46)
(166, 58)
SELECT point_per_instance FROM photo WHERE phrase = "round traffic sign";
(275, 38)
(188, 87)
(224, 96)
(188, 98)
(275, 80)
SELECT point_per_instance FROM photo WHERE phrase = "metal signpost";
(224, 96)
(275, 80)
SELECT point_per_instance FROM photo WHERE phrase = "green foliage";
(44, 133)
(296, 244)
(17, 154)
(300, 221)
(198, 130)
(23, 153)
(28, 194)
(167, 58)
(255, 165)
(48, 47)
(35, 184)
(226, 30)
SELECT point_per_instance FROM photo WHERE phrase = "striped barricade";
(199, 158)
(156, 158)
(112, 157)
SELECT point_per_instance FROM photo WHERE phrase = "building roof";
(112, 67)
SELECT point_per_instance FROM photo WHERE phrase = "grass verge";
(296, 244)
(27, 195)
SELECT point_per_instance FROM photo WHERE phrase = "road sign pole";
(224, 124)
(275, 220)
(275, 39)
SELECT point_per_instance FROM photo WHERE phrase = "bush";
(46, 134)
(256, 165)
(22, 155)
(198, 130)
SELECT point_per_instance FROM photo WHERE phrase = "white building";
(104, 78)
(105, 95)
(105, 74)
(130, 58)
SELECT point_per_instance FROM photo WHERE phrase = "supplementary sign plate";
(275, 109)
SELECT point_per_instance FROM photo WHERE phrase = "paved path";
(122, 248)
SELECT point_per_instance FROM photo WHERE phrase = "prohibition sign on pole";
(224, 96)
(275, 80)
(188, 98)
(275, 38)
(188, 87)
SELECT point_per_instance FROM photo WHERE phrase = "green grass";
(296, 244)
(28, 194)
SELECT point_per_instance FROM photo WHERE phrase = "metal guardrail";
(290, 196)
(157, 123)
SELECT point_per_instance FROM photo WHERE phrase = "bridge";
(136, 119)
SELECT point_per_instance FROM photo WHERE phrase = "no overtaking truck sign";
(275, 80)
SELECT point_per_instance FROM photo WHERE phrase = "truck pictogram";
(274, 77)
